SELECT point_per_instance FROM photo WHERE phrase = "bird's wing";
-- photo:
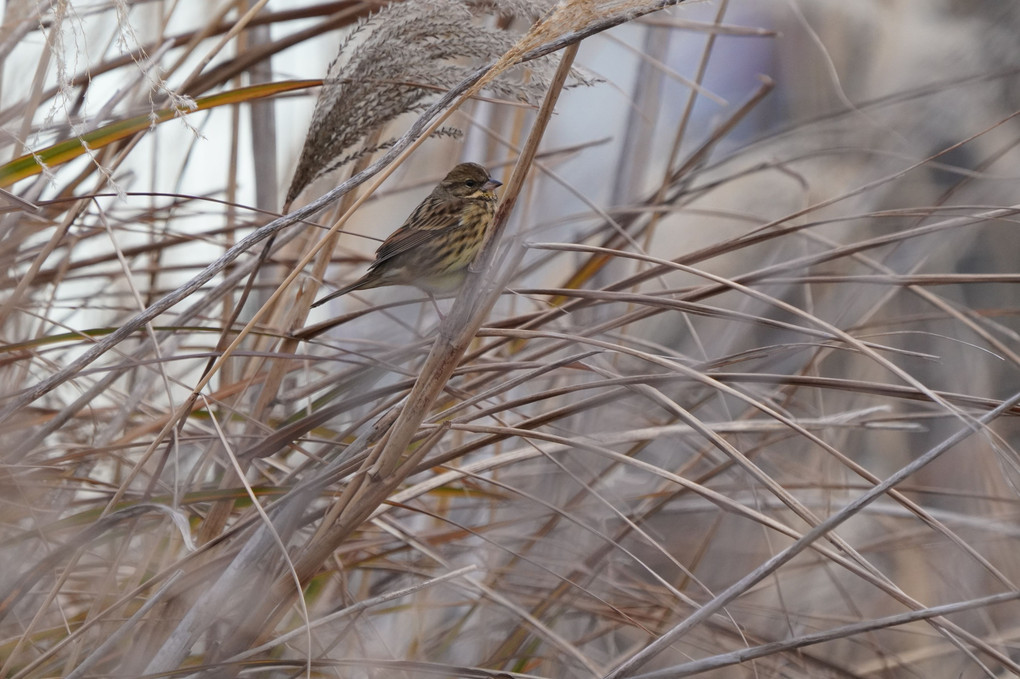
(424, 224)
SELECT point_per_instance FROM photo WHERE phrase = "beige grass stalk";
(129, 327)
(306, 565)
(387, 467)
(293, 314)
(610, 467)
(951, 630)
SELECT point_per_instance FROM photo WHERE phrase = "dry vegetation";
(732, 394)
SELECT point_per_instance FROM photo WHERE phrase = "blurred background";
(799, 276)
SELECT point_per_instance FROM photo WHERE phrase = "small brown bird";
(434, 247)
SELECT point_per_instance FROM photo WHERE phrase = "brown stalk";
(128, 328)
(385, 469)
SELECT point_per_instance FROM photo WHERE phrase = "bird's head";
(469, 180)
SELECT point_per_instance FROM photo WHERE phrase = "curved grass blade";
(69, 149)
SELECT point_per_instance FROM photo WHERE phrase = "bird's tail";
(369, 280)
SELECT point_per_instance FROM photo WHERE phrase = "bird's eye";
(471, 183)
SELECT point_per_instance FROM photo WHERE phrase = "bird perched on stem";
(434, 247)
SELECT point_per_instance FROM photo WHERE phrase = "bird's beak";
(491, 185)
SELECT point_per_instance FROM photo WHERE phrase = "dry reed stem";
(786, 320)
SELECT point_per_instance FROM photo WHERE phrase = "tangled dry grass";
(732, 393)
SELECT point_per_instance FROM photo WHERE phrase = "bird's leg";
(436, 305)
(476, 265)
